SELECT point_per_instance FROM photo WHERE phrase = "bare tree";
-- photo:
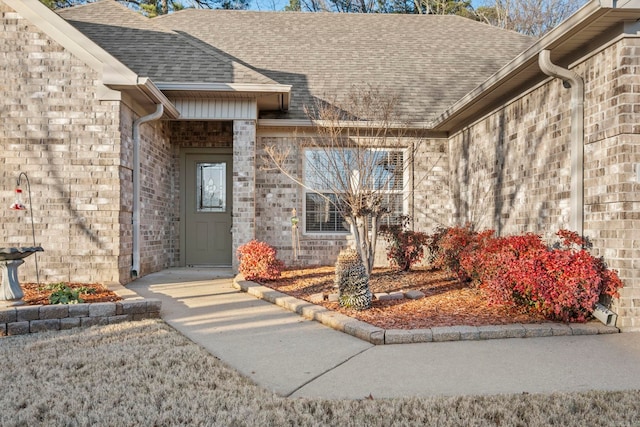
(356, 163)
(445, 7)
(152, 8)
(269, 5)
(530, 17)
(440, 7)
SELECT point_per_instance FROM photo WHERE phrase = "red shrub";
(258, 261)
(450, 246)
(404, 247)
(563, 283)
(471, 257)
(492, 261)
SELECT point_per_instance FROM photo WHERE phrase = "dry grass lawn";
(147, 374)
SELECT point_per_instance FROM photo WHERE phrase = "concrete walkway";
(295, 357)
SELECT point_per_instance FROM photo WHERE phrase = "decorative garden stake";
(295, 236)
(19, 206)
(11, 258)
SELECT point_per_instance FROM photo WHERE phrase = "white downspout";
(576, 83)
(135, 268)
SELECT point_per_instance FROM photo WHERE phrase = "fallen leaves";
(35, 294)
(447, 302)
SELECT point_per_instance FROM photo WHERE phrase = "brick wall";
(431, 205)
(77, 152)
(612, 158)
(159, 196)
(244, 184)
(56, 130)
(202, 134)
(277, 195)
(511, 170)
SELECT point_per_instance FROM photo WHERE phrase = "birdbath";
(10, 259)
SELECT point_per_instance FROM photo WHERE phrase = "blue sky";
(269, 4)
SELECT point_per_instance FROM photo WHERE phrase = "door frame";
(183, 200)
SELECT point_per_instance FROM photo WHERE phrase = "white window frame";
(305, 191)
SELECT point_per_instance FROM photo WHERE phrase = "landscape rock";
(317, 298)
(414, 294)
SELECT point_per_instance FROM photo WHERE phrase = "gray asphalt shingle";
(428, 61)
(154, 51)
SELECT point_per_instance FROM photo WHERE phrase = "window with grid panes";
(328, 170)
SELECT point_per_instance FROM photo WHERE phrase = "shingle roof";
(429, 61)
(154, 51)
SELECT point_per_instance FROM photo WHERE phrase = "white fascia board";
(302, 123)
(145, 92)
(297, 123)
(582, 16)
(112, 70)
(225, 87)
(213, 88)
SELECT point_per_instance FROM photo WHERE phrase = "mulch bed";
(35, 294)
(447, 302)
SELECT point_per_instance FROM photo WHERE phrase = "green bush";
(64, 294)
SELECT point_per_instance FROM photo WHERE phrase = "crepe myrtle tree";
(355, 162)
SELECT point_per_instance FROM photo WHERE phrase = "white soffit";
(216, 109)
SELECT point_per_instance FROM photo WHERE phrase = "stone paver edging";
(27, 319)
(379, 336)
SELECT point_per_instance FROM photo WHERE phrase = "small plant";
(64, 294)
(405, 247)
(352, 281)
(258, 261)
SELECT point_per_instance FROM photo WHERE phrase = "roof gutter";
(155, 96)
(582, 17)
(573, 81)
(135, 268)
